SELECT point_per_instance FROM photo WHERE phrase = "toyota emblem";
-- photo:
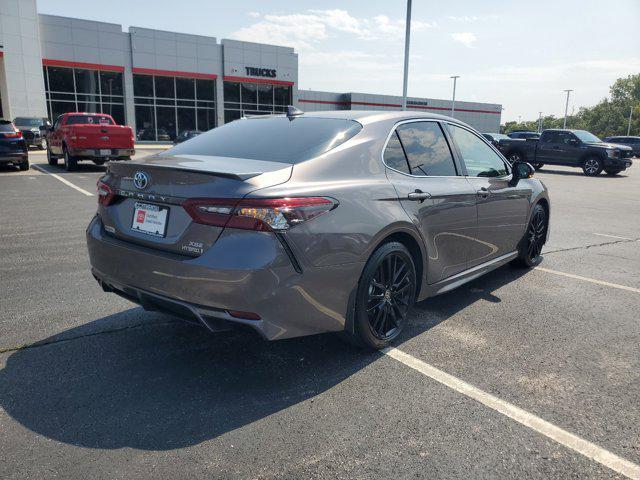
(140, 180)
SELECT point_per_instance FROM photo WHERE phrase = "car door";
(435, 195)
(502, 208)
(570, 149)
(54, 138)
(549, 149)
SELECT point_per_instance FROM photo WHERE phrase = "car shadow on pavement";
(580, 173)
(164, 384)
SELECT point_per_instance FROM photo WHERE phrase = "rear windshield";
(6, 127)
(273, 139)
(89, 120)
(29, 122)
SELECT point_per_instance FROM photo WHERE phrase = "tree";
(608, 117)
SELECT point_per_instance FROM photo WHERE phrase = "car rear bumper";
(13, 157)
(102, 153)
(244, 271)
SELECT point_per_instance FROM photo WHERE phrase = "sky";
(521, 54)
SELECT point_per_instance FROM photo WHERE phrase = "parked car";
(33, 131)
(572, 148)
(632, 142)
(314, 222)
(13, 148)
(494, 138)
(88, 136)
(186, 135)
(523, 134)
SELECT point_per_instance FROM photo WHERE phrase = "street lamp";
(629, 126)
(540, 122)
(453, 101)
(406, 56)
(566, 109)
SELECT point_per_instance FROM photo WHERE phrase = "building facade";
(162, 83)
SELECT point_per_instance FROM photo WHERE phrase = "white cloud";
(465, 38)
(301, 30)
(254, 14)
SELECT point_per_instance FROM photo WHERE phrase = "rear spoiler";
(241, 176)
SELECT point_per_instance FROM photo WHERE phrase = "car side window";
(394, 155)
(479, 158)
(548, 137)
(564, 138)
(427, 150)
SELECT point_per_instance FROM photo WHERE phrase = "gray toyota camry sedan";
(314, 222)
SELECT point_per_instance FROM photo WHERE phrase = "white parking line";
(569, 440)
(590, 280)
(64, 180)
(612, 236)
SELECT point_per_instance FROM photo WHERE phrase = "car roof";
(365, 117)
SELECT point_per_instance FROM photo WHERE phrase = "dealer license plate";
(105, 152)
(150, 219)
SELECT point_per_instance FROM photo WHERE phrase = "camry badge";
(140, 180)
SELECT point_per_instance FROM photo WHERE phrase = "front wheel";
(386, 292)
(592, 166)
(530, 249)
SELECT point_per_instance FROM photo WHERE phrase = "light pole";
(406, 56)
(540, 122)
(566, 109)
(629, 126)
(453, 101)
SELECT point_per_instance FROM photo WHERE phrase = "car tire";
(385, 294)
(51, 160)
(516, 157)
(538, 165)
(24, 166)
(43, 144)
(592, 166)
(530, 247)
(70, 162)
(612, 172)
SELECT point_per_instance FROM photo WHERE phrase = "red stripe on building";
(174, 73)
(92, 66)
(267, 81)
(397, 105)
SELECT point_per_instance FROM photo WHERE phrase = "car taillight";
(16, 134)
(105, 194)
(262, 214)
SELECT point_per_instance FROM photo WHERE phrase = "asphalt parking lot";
(519, 374)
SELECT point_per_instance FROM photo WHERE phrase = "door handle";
(484, 192)
(418, 195)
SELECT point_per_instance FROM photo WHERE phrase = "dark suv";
(13, 149)
(633, 142)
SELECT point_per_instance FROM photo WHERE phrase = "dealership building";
(162, 83)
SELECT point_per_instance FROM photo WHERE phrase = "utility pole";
(566, 109)
(406, 56)
(453, 102)
(540, 122)
(629, 126)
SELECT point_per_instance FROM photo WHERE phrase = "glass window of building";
(167, 106)
(242, 99)
(84, 90)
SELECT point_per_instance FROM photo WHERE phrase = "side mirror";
(521, 170)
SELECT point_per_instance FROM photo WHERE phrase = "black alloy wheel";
(534, 239)
(386, 293)
(514, 157)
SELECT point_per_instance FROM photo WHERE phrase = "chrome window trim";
(486, 142)
(415, 120)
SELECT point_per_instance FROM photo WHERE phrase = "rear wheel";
(612, 172)
(534, 238)
(51, 160)
(592, 166)
(70, 162)
(24, 166)
(386, 292)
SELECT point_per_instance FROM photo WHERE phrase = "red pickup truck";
(88, 136)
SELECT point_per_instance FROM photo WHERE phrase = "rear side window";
(427, 149)
(394, 155)
(6, 127)
(88, 120)
(274, 139)
(479, 158)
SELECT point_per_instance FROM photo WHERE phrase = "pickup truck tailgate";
(102, 136)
